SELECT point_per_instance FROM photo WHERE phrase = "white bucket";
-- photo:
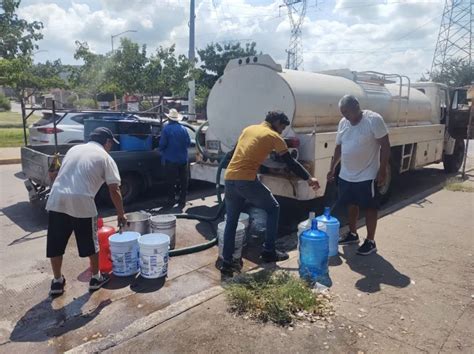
(124, 253)
(154, 249)
(165, 224)
(244, 218)
(239, 239)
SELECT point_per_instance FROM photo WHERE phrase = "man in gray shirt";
(363, 148)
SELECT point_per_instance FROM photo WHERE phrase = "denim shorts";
(363, 194)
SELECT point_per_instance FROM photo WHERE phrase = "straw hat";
(173, 115)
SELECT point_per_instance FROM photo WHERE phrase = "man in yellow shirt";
(254, 145)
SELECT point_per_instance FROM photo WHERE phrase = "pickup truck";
(139, 170)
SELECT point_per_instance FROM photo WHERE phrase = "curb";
(144, 324)
(10, 161)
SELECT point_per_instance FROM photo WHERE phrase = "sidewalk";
(9, 156)
(414, 295)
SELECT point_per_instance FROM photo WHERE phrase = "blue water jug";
(330, 225)
(314, 252)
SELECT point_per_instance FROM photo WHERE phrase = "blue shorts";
(363, 194)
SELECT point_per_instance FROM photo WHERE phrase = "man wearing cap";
(71, 207)
(241, 183)
(174, 143)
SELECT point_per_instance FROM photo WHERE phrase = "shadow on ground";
(43, 321)
(375, 269)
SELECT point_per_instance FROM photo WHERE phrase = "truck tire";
(386, 190)
(131, 187)
(452, 163)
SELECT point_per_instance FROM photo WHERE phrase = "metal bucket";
(138, 221)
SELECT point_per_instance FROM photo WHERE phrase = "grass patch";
(457, 184)
(278, 297)
(10, 120)
(11, 137)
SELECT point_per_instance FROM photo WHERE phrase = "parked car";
(69, 127)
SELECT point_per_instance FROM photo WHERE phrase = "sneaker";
(95, 284)
(237, 265)
(349, 238)
(275, 256)
(367, 248)
(225, 268)
(57, 288)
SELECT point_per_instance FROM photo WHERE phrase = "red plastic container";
(103, 234)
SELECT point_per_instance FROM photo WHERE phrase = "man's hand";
(331, 175)
(121, 220)
(313, 183)
(381, 178)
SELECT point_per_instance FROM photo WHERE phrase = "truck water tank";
(249, 89)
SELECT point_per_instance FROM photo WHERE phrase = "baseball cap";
(104, 132)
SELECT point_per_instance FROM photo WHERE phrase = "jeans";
(176, 180)
(236, 193)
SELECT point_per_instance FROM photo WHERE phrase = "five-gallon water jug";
(314, 252)
(330, 225)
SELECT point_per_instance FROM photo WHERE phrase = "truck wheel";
(452, 163)
(131, 187)
(386, 190)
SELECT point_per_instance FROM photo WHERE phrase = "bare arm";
(335, 160)
(116, 196)
(384, 159)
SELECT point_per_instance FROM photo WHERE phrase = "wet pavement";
(31, 321)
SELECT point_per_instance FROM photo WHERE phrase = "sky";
(391, 36)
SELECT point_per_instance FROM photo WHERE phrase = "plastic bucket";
(124, 253)
(239, 239)
(129, 142)
(244, 218)
(165, 224)
(154, 249)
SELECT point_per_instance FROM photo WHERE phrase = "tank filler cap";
(263, 60)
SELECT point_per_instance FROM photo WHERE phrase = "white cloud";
(384, 35)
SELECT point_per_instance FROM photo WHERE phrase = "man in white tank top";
(363, 148)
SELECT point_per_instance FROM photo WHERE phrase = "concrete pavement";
(9, 156)
(414, 295)
(32, 322)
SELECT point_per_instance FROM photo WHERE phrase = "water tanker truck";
(417, 115)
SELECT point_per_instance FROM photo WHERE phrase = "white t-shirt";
(83, 171)
(360, 159)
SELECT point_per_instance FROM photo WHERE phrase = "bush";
(85, 103)
(276, 296)
(4, 103)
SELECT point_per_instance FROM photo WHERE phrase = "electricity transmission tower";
(455, 35)
(296, 13)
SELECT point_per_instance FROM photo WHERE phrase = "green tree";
(457, 72)
(89, 79)
(215, 57)
(27, 78)
(17, 36)
(167, 74)
(127, 66)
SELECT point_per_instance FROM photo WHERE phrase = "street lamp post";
(112, 43)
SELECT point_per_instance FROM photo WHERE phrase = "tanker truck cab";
(416, 115)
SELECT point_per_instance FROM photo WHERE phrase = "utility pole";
(191, 84)
(455, 35)
(296, 14)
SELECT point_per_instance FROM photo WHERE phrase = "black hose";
(203, 218)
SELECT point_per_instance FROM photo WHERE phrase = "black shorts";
(363, 194)
(60, 228)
